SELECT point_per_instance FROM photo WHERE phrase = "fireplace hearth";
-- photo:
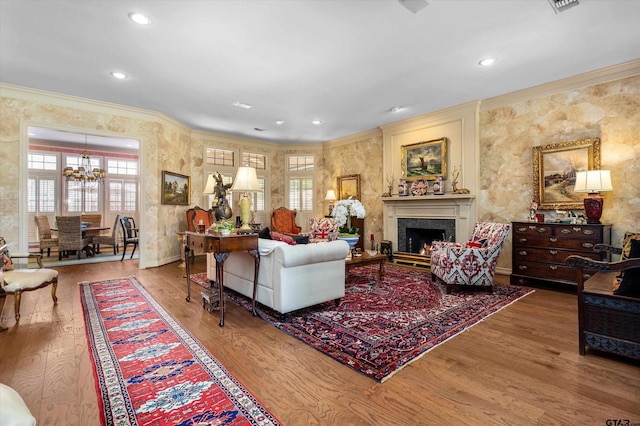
(415, 234)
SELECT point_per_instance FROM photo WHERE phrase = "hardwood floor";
(520, 366)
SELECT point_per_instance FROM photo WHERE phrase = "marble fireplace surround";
(461, 208)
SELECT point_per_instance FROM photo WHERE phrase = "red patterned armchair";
(471, 263)
(323, 229)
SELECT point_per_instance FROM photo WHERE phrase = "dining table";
(85, 229)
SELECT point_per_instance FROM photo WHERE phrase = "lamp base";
(593, 208)
(245, 212)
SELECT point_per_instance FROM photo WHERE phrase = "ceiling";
(346, 63)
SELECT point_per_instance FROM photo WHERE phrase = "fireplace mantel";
(461, 207)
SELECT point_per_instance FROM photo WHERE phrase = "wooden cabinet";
(539, 250)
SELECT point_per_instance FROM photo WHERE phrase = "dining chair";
(112, 240)
(94, 220)
(70, 236)
(129, 234)
(44, 234)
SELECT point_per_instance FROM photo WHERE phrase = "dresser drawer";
(532, 230)
(580, 232)
(546, 271)
(550, 255)
(555, 242)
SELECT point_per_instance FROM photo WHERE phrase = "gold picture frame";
(554, 172)
(349, 186)
(425, 160)
(176, 189)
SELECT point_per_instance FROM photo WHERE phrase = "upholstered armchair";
(283, 221)
(17, 281)
(322, 229)
(471, 263)
(197, 214)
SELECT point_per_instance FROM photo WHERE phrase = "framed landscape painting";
(554, 172)
(176, 189)
(425, 160)
(349, 186)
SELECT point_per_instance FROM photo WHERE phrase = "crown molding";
(347, 140)
(603, 75)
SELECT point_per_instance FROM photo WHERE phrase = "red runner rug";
(380, 327)
(150, 370)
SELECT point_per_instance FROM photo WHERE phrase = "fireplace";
(415, 235)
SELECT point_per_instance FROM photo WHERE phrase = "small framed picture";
(349, 186)
(176, 189)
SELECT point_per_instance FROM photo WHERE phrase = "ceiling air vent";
(562, 5)
(414, 6)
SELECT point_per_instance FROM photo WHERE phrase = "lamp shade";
(593, 181)
(246, 180)
(210, 186)
(331, 195)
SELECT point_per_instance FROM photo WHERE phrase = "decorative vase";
(352, 240)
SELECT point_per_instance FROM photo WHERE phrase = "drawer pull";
(522, 229)
(522, 268)
(587, 245)
(541, 230)
(553, 267)
(523, 253)
(588, 232)
(553, 239)
(522, 240)
(566, 231)
(554, 252)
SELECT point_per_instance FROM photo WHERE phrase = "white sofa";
(290, 277)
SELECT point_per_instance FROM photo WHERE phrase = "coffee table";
(364, 259)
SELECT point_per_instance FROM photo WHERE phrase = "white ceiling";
(346, 63)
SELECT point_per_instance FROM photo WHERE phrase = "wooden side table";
(221, 247)
(365, 259)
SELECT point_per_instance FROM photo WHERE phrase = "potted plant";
(224, 227)
(342, 213)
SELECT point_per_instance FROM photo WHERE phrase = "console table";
(221, 246)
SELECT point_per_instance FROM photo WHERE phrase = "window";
(300, 163)
(300, 181)
(122, 167)
(220, 157)
(37, 161)
(257, 161)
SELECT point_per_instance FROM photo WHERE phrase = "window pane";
(91, 193)
(130, 196)
(115, 196)
(300, 163)
(46, 196)
(42, 161)
(220, 157)
(257, 161)
(257, 201)
(74, 197)
(31, 195)
(122, 167)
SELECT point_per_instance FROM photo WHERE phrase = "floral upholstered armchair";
(471, 263)
(322, 229)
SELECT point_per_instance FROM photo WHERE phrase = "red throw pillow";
(474, 244)
(284, 238)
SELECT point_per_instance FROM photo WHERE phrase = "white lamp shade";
(331, 195)
(210, 186)
(593, 181)
(246, 180)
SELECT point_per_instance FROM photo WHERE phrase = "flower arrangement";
(224, 226)
(342, 213)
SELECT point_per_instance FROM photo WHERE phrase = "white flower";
(344, 209)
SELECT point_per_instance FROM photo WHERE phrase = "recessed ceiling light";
(118, 75)
(486, 62)
(317, 122)
(396, 109)
(139, 18)
(280, 122)
(241, 105)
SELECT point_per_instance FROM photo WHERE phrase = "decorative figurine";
(390, 186)
(533, 208)
(455, 174)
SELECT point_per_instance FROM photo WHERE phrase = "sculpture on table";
(222, 210)
(456, 174)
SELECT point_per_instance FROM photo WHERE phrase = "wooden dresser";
(540, 249)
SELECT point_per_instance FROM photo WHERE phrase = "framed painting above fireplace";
(425, 160)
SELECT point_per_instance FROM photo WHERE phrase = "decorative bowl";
(225, 232)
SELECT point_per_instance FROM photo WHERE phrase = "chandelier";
(85, 173)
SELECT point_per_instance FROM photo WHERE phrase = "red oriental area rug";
(150, 370)
(381, 327)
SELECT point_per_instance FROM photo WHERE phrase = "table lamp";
(246, 181)
(593, 181)
(210, 188)
(330, 197)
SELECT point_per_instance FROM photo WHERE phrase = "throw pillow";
(284, 238)
(300, 239)
(626, 248)
(264, 233)
(630, 284)
(477, 242)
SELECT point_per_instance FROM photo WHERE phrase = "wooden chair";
(111, 240)
(607, 322)
(44, 234)
(70, 236)
(283, 221)
(129, 234)
(197, 214)
(94, 220)
(15, 282)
